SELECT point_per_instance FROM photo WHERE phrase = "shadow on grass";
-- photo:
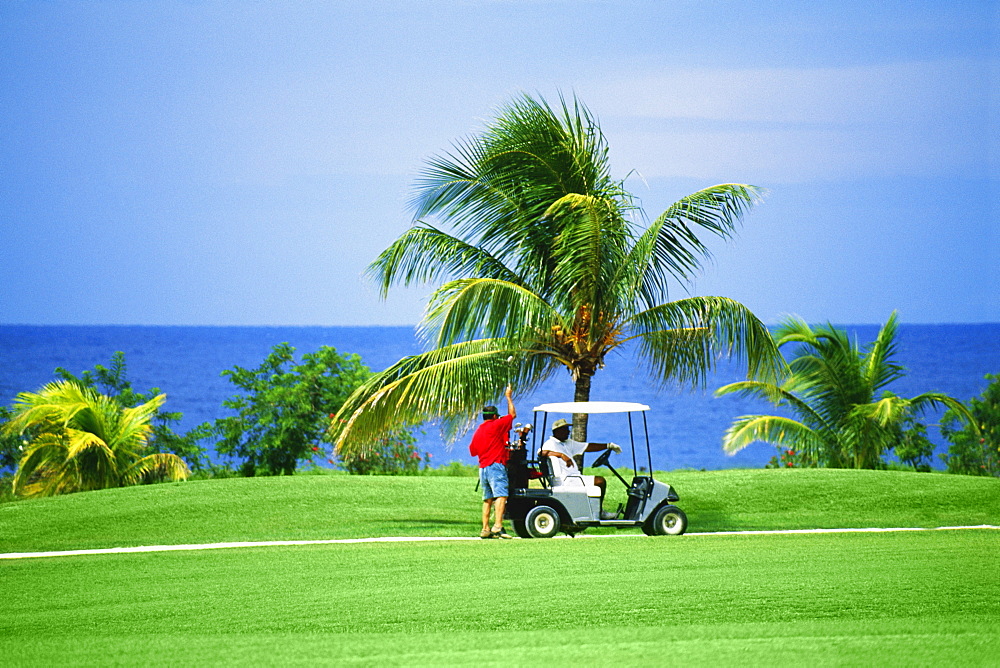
(709, 515)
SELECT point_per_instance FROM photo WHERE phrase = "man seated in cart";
(561, 450)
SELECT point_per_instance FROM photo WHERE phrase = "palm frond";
(827, 367)
(591, 246)
(927, 400)
(54, 405)
(80, 442)
(495, 189)
(778, 396)
(453, 186)
(424, 254)
(449, 384)
(880, 369)
(780, 431)
(134, 422)
(161, 465)
(890, 409)
(685, 339)
(481, 308)
(793, 329)
(45, 452)
(81, 439)
(672, 248)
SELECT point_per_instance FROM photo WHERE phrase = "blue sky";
(230, 163)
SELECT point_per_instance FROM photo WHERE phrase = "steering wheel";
(603, 459)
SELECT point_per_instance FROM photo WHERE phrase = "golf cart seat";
(637, 494)
(576, 482)
(521, 470)
(544, 471)
(573, 482)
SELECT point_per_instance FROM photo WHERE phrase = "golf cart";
(543, 510)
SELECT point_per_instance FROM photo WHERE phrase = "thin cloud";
(790, 125)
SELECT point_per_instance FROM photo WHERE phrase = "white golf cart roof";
(592, 407)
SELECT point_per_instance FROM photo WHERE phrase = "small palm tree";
(82, 440)
(833, 387)
(548, 271)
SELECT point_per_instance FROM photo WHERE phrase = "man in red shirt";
(489, 444)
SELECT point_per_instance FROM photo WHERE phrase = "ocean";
(685, 426)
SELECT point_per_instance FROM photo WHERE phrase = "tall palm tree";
(82, 440)
(833, 387)
(549, 269)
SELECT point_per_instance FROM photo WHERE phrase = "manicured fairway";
(923, 598)
(340, 506)
(928, 597)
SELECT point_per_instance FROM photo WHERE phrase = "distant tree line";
(94, 430)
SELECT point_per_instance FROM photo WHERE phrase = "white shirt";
(570, 448)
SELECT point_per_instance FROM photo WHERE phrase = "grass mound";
(311, 507)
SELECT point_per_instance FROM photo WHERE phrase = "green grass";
(924, 598)
(341, 506)
(898, 598)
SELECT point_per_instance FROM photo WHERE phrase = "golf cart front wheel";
(667, 521)
(542, 522)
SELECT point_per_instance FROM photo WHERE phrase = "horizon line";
(415, 325)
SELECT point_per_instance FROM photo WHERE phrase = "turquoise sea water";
(685, 427)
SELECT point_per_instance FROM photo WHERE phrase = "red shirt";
(489, 443)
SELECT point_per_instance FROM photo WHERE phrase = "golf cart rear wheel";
(667, 521)
(521, 529)
(542, 522)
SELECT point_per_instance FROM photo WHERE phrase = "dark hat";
(490, 410)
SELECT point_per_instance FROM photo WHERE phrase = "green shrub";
(972, 452)
(453, 469)
(395, 455)
(6, 489)
(913, 447)
(215, 471)
(11, 445)
(284, 408)
(787, 459)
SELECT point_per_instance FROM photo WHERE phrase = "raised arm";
(509, 393)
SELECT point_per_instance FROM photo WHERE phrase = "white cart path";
(434, 539)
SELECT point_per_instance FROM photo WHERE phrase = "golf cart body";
(545, 509)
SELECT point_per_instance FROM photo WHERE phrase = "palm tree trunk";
(582, 393)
